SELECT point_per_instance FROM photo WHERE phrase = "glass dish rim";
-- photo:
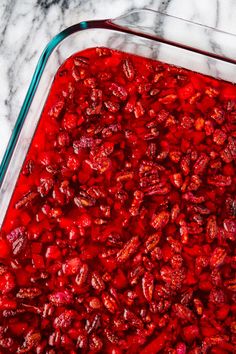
(107, 24)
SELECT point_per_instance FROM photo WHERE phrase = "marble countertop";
(28, 25)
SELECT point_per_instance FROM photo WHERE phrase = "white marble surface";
(26, 26)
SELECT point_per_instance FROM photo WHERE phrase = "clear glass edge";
(124, 16)
(123, 22)
(115, 24)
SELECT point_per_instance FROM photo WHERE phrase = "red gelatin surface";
(120, 235)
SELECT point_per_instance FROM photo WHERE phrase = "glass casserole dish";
(159, 294)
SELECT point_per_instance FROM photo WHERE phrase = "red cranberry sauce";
(120, 236)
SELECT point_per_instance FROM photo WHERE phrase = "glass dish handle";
(181, 33)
